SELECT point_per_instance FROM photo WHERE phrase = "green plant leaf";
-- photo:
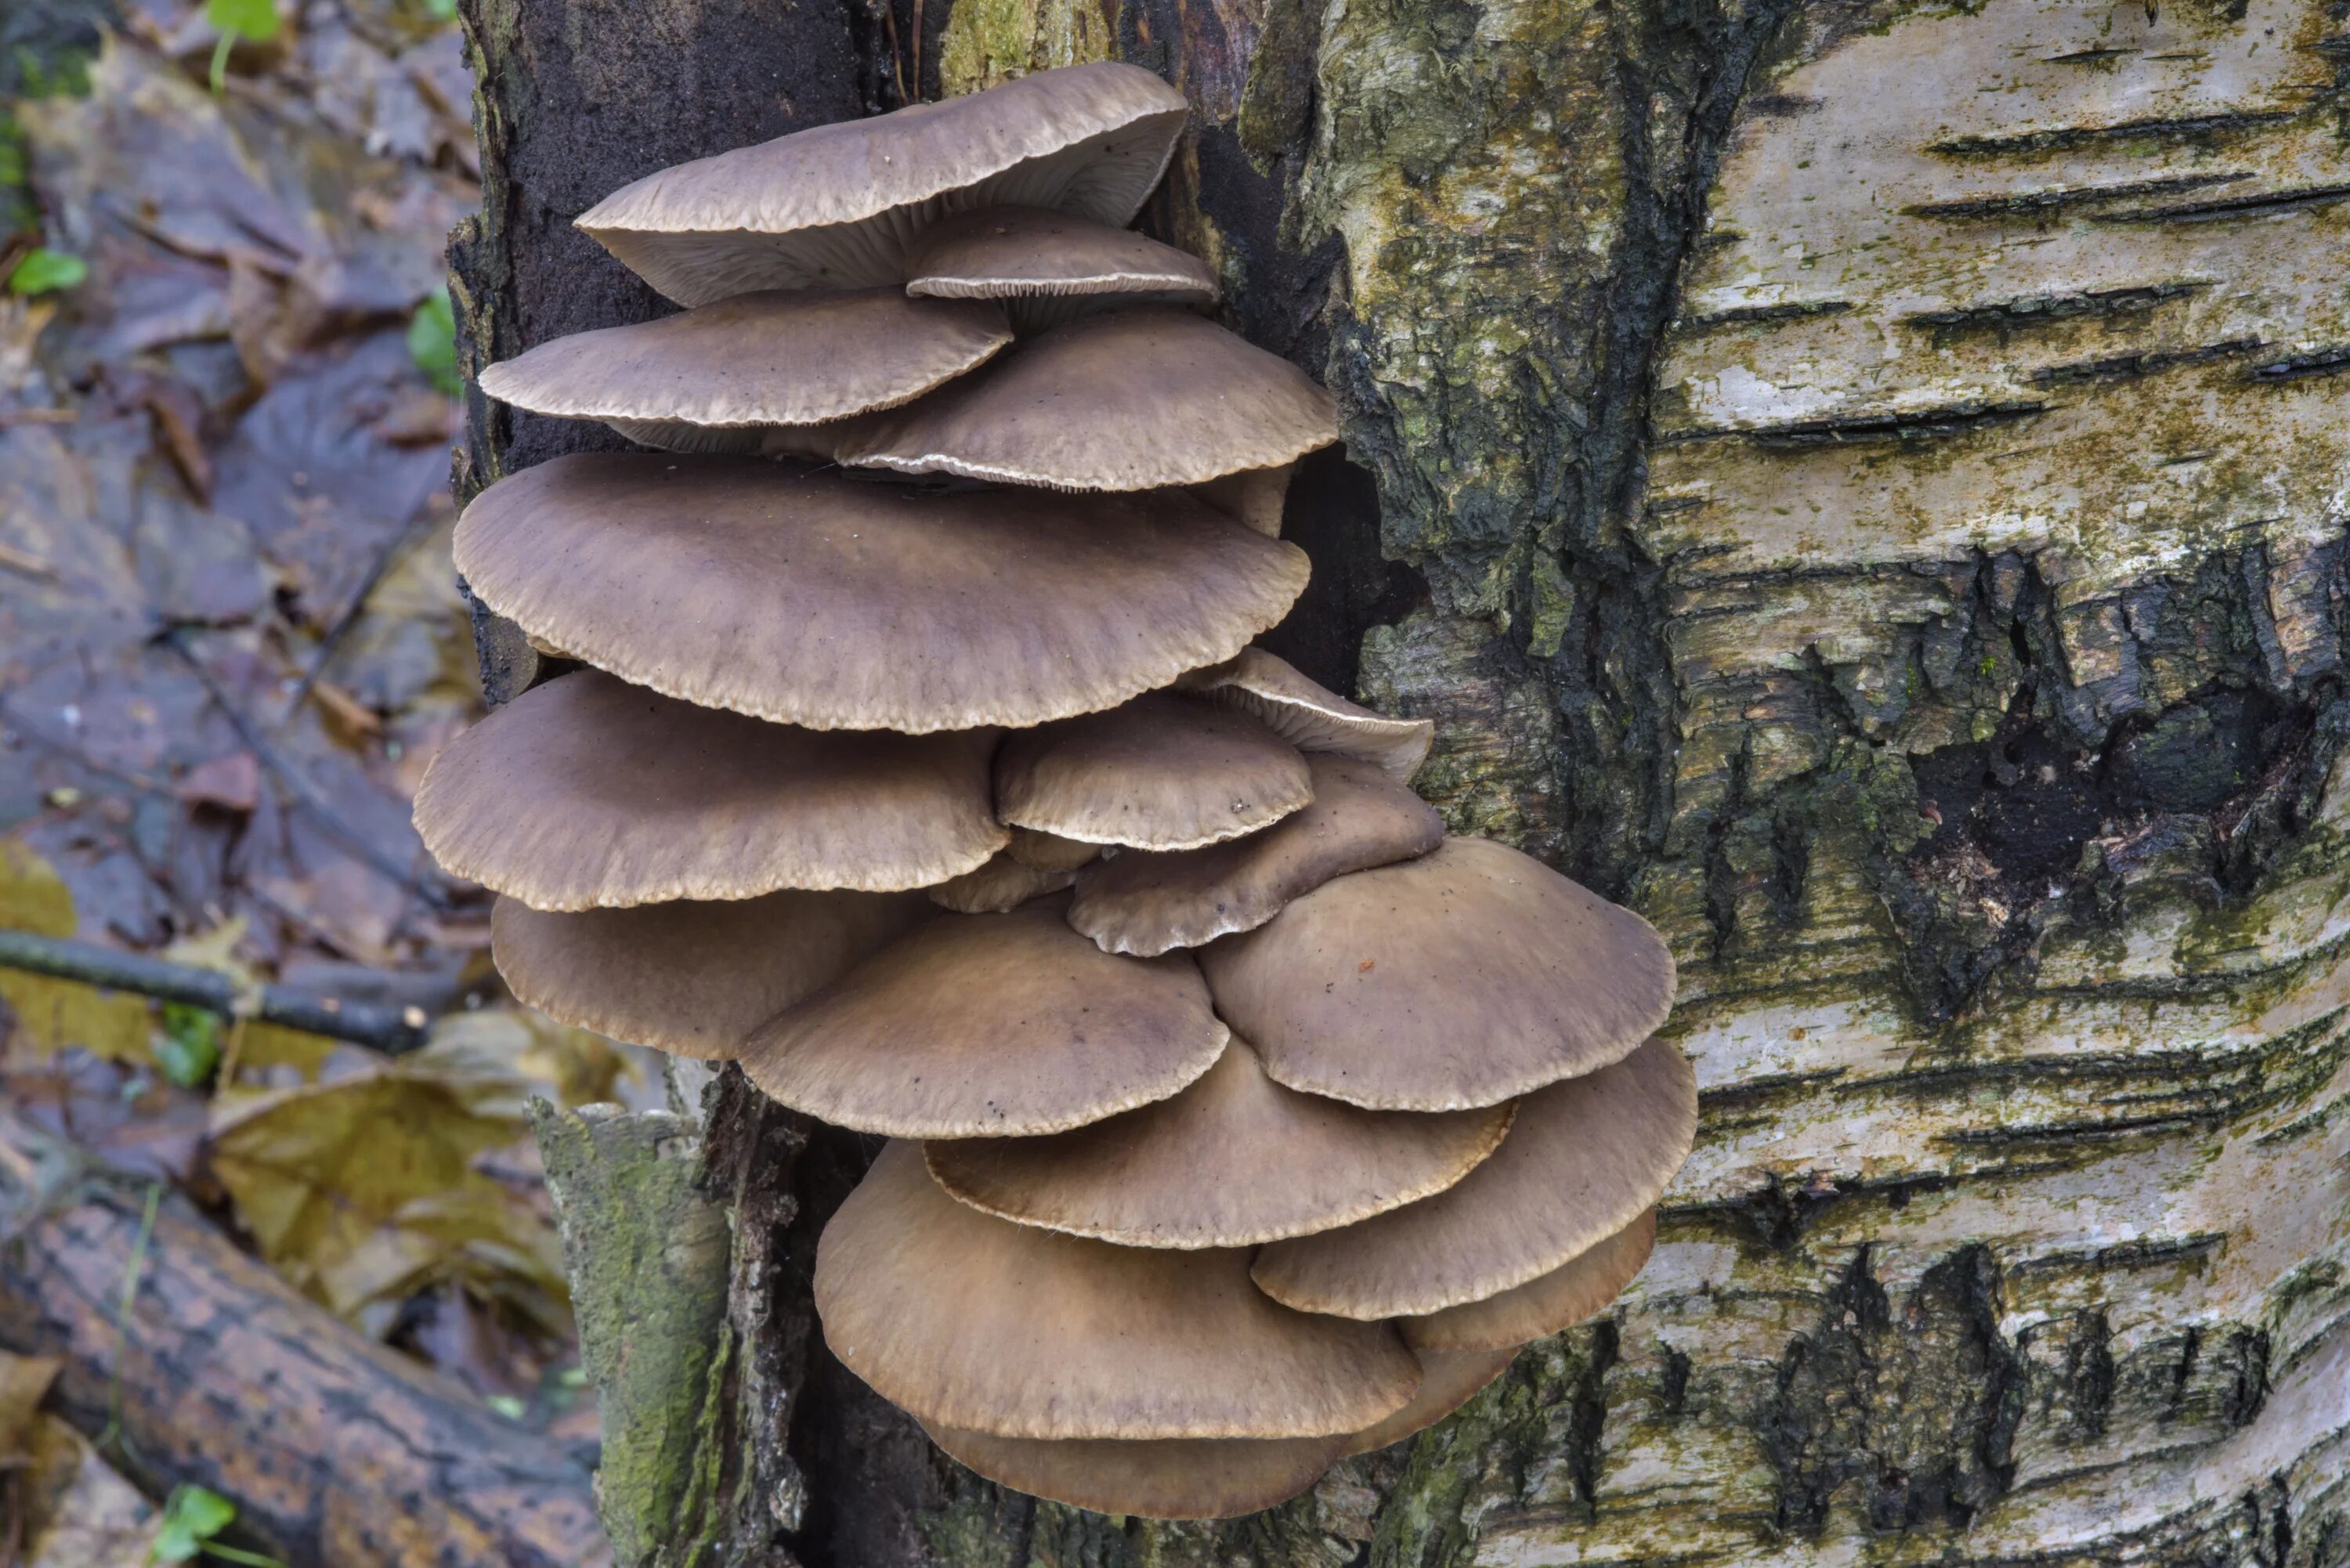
(191, 1516)
(253, 19)
(442, 10)
(43, 270)
(433, 342)
(190, 1051)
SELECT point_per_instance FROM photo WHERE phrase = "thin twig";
(304, 793)
(380, 1027)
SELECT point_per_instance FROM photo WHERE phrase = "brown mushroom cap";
(986, 1025)
(729, 369)
(839, 603)
(839, 206)
(1004, 883)
(1463, 978)
(971, 1321)
(1231, 1161)
(1050, 851)
(1145, 902)
(693, 979)
(1161, 772)
(1125, 399)
(1050, 266)
(1580, 1163)
(1448, 1380)
(1172, 1478)
(586, 793)
(1310, 716)
(1577, 1288)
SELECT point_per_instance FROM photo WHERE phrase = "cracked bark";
(1862, 482)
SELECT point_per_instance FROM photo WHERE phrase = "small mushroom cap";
(1581, 1162)
(839, 206)
(1145, 902)
(1448, 1380)
(1125, 399)
(990, 1025)
(770, 359)
(1463, 978)
(1254, 497)
(1231, 1161)
(1171, 1478)
(1050, 851)
(1004, 883)
(967, 1321)
(839, 603)
(587, 793)
(1577, 1288)
(1161, 772)
(1028, 256)
(1312, 717)
(691, 978)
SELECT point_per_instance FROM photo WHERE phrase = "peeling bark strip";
(1966, 708)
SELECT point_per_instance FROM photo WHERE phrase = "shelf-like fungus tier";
(727, 377)
(839, 207)
(1127, 399)
(818, 599)
(1048, 268)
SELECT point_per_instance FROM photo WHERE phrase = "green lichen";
(992, 41)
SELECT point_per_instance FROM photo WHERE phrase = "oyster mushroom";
(1584, 1160)
(982, 1025)
(1233, 1160)
(1162, 772)
(722, 378)
(692, 978)
(835, 602)
(1004, 883)
(971, 1321)
(1127, 399)
(1470, 975)
(1545, 1304)
(1310, 716)
(1166, 1477)
(1048, 267)
(1145, 901)
(587, 793)
(839, 207)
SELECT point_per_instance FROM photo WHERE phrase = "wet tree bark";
(1862, 482)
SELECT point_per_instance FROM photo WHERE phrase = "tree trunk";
(1863, 483)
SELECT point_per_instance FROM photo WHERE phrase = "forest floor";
(230, 643)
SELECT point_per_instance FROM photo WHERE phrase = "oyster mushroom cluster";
(1239, 1119)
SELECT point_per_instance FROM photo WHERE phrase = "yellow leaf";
(53, 1013)
(575, 1067)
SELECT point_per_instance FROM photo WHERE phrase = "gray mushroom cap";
(1048, 267)
(1470, 975)
(1310, 716)
(1582, 1161)
(839, 207)
(835, 602)
(971, 1321)
(721, 377)
(587, 793)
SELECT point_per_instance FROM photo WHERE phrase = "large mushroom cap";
(756, 360)
(985, 1025)
(586, 793)
(971, 1321)
(839, 206)
(1312, 717)
(1171, 1478)
(1161, 772)
(1581, 1162)
(839, 603)
(1050, 266)
(1145, 902)
(1463, 978)
(1566, 1295)
(1127, 399)
(1231, 1161)
(691, 978)
(1448, 1380)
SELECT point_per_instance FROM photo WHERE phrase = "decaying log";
(197, 1364)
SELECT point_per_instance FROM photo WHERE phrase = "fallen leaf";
(231, 784)
(51, 1014)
